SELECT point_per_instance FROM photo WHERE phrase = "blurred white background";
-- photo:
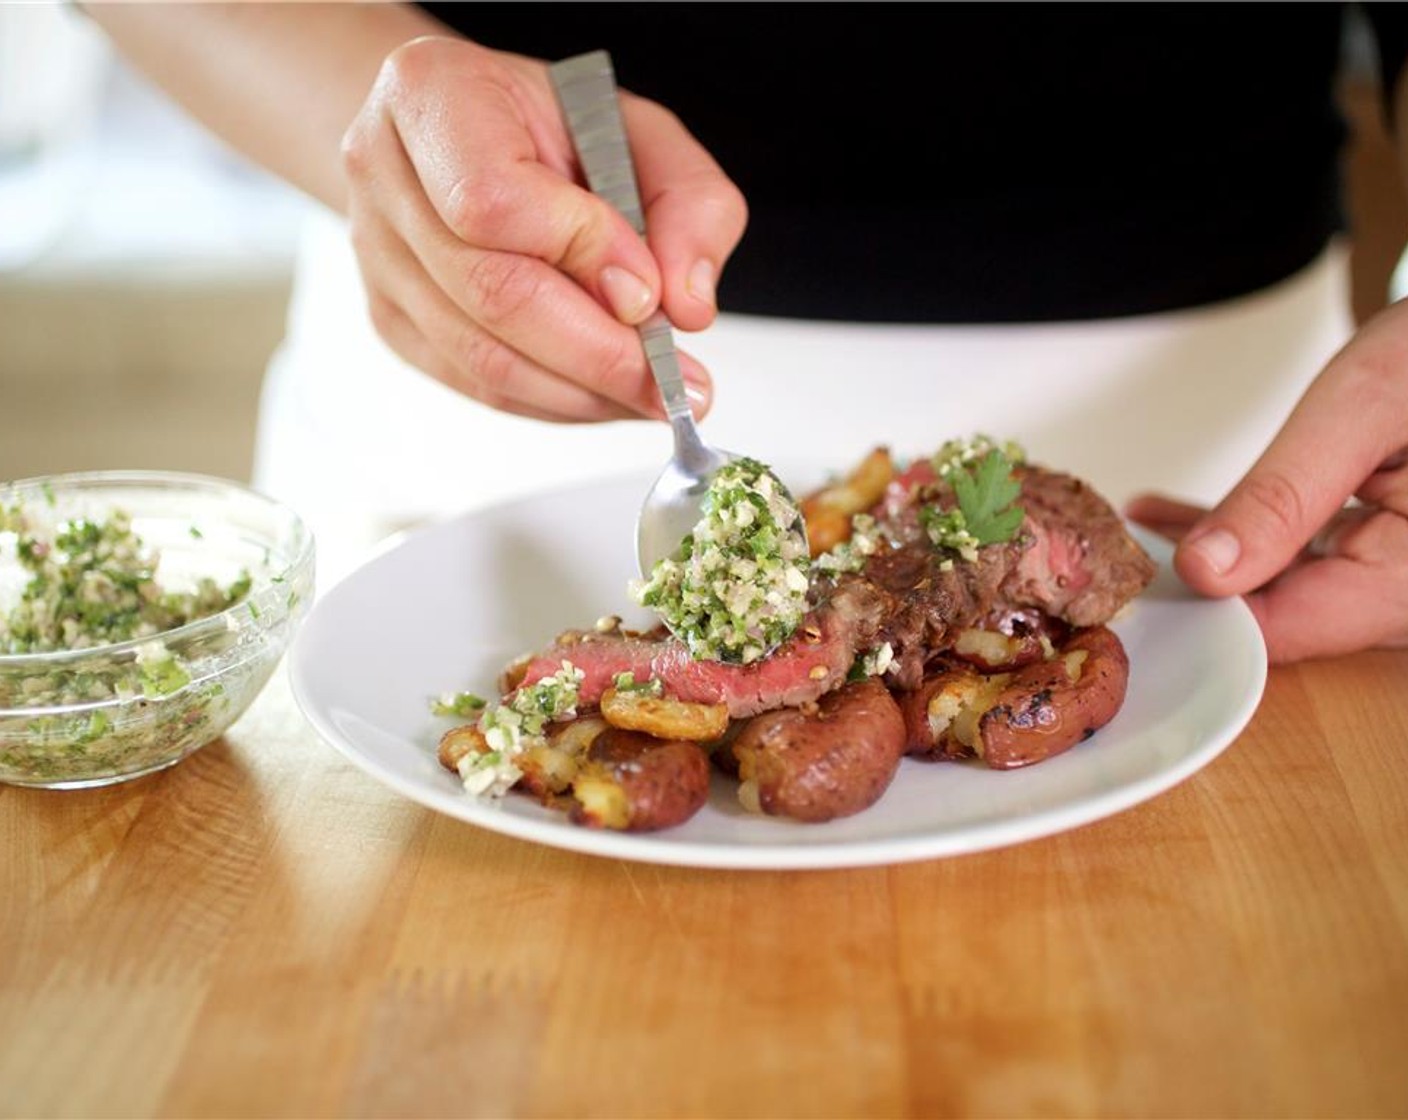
(144, 268)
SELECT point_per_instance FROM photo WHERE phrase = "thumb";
(1347, 422)
(1256, 531)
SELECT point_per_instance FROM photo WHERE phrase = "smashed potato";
(830, 760)
(1015, 718)
(551, 767)
(828, 511)
(663, 716)
(458, 742)
(635, 783)
(1053, 705)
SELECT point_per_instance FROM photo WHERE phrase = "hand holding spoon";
(742, 590)
(586, 88)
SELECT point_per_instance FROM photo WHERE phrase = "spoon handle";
(586, 90)
(659, 341)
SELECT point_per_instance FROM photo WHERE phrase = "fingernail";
(630, 297)
(700, 281)
(1219, 549)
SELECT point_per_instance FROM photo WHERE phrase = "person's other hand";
(1316, 535)
(489, 267)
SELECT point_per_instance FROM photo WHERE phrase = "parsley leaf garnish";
(987, 494)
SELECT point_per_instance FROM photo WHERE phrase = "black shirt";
(991, 162)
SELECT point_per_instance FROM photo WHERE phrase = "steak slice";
(812, 662)
(1081, 564)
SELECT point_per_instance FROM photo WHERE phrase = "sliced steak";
(812, 662)
(1072, 560)
(1081, 564)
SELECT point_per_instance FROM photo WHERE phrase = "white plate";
(447, 607)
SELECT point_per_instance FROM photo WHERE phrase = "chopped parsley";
(626, 682)
(737, 586)
(159, 672)
(513, 727)
(960, 454)
(79, 584)
(948, 529)
(851, 555)
(464, 705)
(92, 583)
(872, 663)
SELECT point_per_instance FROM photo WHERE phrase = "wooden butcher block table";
(264, 930)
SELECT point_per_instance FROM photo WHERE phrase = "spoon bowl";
(672, 508)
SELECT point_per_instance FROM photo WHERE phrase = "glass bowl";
(76, 718)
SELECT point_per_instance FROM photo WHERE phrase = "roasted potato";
(827, 761)
(636, 783)
(662, 716)
(1016, 718)
(941, 715)
(1010, 639)
(458, 742)
(550, 767)
(1049, 707)
(992, 651)
(828, 511)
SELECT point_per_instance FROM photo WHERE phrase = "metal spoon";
(586, 89)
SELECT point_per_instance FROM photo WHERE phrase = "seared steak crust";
(932, 600)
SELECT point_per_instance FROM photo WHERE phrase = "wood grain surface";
(265, 931)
